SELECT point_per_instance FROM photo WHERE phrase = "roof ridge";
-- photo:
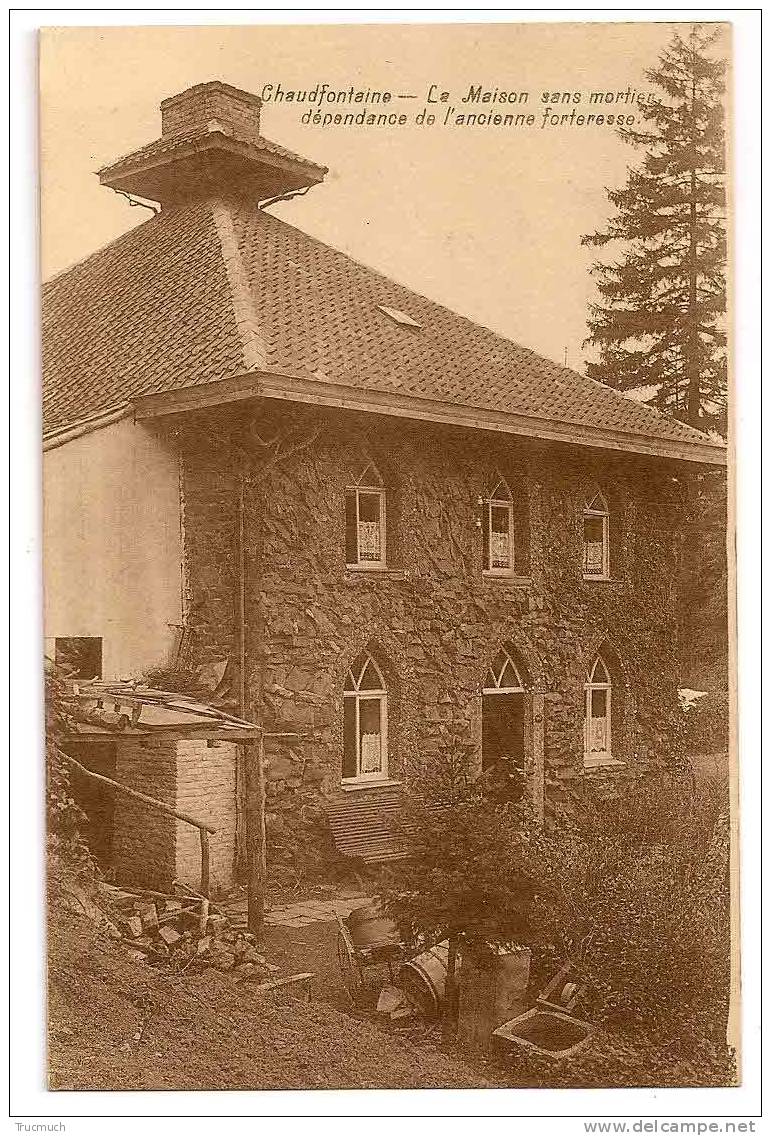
(153, 305)
(253, 344)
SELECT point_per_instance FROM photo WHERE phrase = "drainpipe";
(242, 706)
(241, 850)
(253, 751)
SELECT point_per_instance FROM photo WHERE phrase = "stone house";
(393, 527)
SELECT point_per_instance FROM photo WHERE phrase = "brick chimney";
(211, 146)
(210, 104)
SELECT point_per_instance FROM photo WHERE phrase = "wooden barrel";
(423, 978)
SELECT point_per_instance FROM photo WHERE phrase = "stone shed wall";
(144, 838)
(151, 849)
(433, 620)
(206, 788)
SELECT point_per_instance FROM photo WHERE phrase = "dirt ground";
(116, 1024)
(314, 948)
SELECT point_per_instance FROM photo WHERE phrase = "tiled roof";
(170, 145)
(150, 312)
(319, 313)
(154, 311)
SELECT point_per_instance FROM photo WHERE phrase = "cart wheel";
(349, 970)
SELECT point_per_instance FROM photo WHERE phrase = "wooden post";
(204, 861)
(450, 1008)
(255, 832)
(239, 852)
(261, 797)
(203, 917)
(241, 600)
(537, 750)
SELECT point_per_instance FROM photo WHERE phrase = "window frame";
(492, 501)
(594, 759)
(591, 513)
(374, 490)
(357, 694)
(496, 688)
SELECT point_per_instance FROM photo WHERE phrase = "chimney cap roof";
(211, 145)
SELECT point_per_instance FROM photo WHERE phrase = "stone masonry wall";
(433, 620)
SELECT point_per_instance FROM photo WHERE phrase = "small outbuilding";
(184, 755)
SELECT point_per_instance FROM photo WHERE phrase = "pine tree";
(660, 320)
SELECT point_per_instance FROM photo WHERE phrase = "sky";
(484, 219)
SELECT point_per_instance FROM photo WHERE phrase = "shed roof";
(127, 708)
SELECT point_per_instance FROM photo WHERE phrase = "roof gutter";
(289, 388)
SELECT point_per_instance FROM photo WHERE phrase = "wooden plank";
(172, 733)
(161, 699)
(277, 983)
(371, 828)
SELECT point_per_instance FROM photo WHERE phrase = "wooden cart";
(367, 946)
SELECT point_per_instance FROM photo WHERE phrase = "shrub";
(705, 724)
(636, 892)
(469, 877)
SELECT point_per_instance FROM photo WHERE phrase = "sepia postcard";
(388, 602)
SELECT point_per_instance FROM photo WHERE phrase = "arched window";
(596, 536)
(365, 727)
(597, 715)
(498, 529)
(365, 520)
(505, 529)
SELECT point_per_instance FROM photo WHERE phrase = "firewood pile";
(185, 932)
